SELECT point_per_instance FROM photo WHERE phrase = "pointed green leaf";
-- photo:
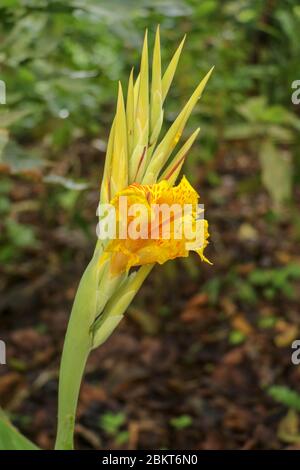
(136, 90)
(166, 146)
(156, 92)
(141, 128)
(173, 169)
(130, 114)
(119, 169)
(171, 69)
(142, 111)
(105, 195)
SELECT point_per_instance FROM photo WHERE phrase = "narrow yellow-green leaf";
(173, 169)
(120, 300)
(171, 69)
(119, 170)
(136, 90)
(130, 114)
(166, 146)
(142, 111)
(117, 305)
(141, 128)
(156, 92)
(105, 186)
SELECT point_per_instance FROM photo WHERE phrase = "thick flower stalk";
(143, 168)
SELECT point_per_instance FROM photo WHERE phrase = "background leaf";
(11, 438)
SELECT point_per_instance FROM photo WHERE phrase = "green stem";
(81, 338)
(77, 346)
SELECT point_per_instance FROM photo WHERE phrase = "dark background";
(203, 359)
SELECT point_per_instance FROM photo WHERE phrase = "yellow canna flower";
(144, 169)
(142, 166)
(164, 225)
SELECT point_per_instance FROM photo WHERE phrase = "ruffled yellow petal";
(127, 252)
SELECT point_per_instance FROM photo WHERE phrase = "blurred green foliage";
(285, 396)
(61, 61)
(181, 422)
(112, 424)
